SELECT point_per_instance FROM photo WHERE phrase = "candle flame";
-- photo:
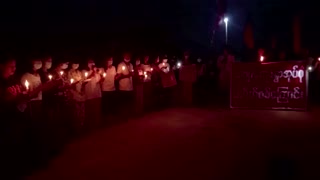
(261, 58)
(123, 67)
(151, 69)
(71, 80)
(145, 73)
(104, 74)
(86, 74)
(26, 84)
(61, 73)
(50, 76)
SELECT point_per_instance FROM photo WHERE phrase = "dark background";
(91, 27)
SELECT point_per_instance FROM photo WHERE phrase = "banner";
(280, 85)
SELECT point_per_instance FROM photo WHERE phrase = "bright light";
(123, 68)
(310, 68)
(151, 69)
(27, 85)
(261, 58)
(86, 74)
(61, 73)
(145, 73)
(179, 64)
(319, 59)
(71, 80)
(50, 76)
(104, 74)
(226, 20)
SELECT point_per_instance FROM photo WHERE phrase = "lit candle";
(179, 64)
(319, 59)
(261, 58)
(86, 74)
(145, 76)
(104, 75)
(145, 73)
(123, 68)
(310, 68)
(27, 84)
(61, 73)
(71, 80)
(163, 64)
(50, 77)
(151, 69)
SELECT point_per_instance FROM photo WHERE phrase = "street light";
(226, 23)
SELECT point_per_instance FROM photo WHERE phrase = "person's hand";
(14, 90)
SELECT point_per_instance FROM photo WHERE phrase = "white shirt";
(108, 82)
(164, 65)
(125, 84)
(92, 88)
(34, 82)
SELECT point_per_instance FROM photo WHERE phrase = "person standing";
(108, 87)
(33, 79)
(92, 90)
(125, 73)
(78, 97)
(224, 64)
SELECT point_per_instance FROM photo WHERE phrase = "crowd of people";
(54, 99)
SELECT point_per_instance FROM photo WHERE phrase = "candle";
(50, 77)
(61, 73)
(310, 68)
(27, 84)
(261, 58)
(319, 59)
(104, 75)
(146, 76)
(86, 74)
(179, 64)
(123, 68)
(163, 64)
(145, 73)
(151, 69)
(71, 80)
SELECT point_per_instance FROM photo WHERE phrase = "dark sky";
(169, 24)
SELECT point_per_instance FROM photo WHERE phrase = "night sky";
(73, 25)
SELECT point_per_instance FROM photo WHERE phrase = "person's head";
(47, 63)
(8, 67)
(36, 64)
(74, 65)
(126, 57)
(91, 64)
(165, 59)
(109, 61)
(146, 59)
(138, 62)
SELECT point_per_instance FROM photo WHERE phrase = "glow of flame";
(50, 76)
(104, 74)
(61, 73)
(71, 80)
(123, 68)
(319, 59)
(261, 58)
(26, 84)
(151, 69)
(145, 73)
(86, 74)
(310, 68)
(179, 64)
(146, 76)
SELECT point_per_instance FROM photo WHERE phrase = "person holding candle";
(44, 72)
(92, 90)
(78, 96)
(108, 87)
(124, 75)
(13, 121)
(33, 79)
(164, 65)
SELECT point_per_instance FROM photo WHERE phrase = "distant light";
(310, 68)
(226, 20)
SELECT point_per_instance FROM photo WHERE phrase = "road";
(196, 144)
